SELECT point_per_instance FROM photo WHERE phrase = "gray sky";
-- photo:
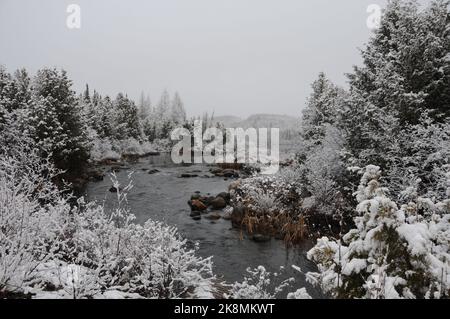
(236, 57)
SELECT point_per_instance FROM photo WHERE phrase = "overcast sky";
(235, 57)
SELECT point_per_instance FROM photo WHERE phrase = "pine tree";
(145, 107)
(177, 110)
(162, 110)
(56, 120)
(126, 118)
(86, 95)
(321, 109)
(405, 68)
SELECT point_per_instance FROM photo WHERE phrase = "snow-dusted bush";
(102, 149)
(51, 249)
(259, 284)
(111, 149)
(393, 252)
(321, 170)
(268, 193)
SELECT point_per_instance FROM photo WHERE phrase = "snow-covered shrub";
(299, 294)
(393, 252)
(49, 248)
(102, 149)
(258, 285)
(321, 170)
(111, 149)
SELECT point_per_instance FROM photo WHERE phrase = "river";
(163, 196)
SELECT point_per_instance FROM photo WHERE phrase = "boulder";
(218, 203)
(113, 189)
(186, 175)
(261, 238)
(225, 196)
(153, 153)
(196, 215)
(197, 205)
(97, 175)
(213, 216)
(153, 171)
(227, 216)
(116, 168)
(207, 200)
(216, 171)
(230, 173)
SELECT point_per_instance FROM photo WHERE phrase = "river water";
(163, 196)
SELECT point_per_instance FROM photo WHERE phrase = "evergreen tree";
(145, 107)
(405, 68)
(126, 118)
(56, 120)
(177, 110)
(162, 110)
(321, 109)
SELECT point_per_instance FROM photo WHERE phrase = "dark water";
(163, 196)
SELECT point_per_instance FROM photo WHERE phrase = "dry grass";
(279, 225)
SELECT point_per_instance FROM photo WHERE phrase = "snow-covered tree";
(178, 112)
(55, 119)
(126, 118)
(392, 253)
(145, 107)
(321, 109)
(405, 63)
(162, 110)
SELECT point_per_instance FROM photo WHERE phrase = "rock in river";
(113, 189)
(197, 205)
(218, 203)
(188, 175)
(225, 196)
(261, 238)
(213, 216)
(196, 215)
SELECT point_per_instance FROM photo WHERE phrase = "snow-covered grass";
(51, 249)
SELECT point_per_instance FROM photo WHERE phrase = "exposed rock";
(207, 200)
(197, 205)
(234, 166)
(186, 175)
(113, 189)
(116, 168)
(225, 196)
(230, 173)
(227, 216)
(97, 175)
(196, 215)
(153, 171)
(261, 238)
(216, 171)
(213, 216)
(218, 203)
(153, 153)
